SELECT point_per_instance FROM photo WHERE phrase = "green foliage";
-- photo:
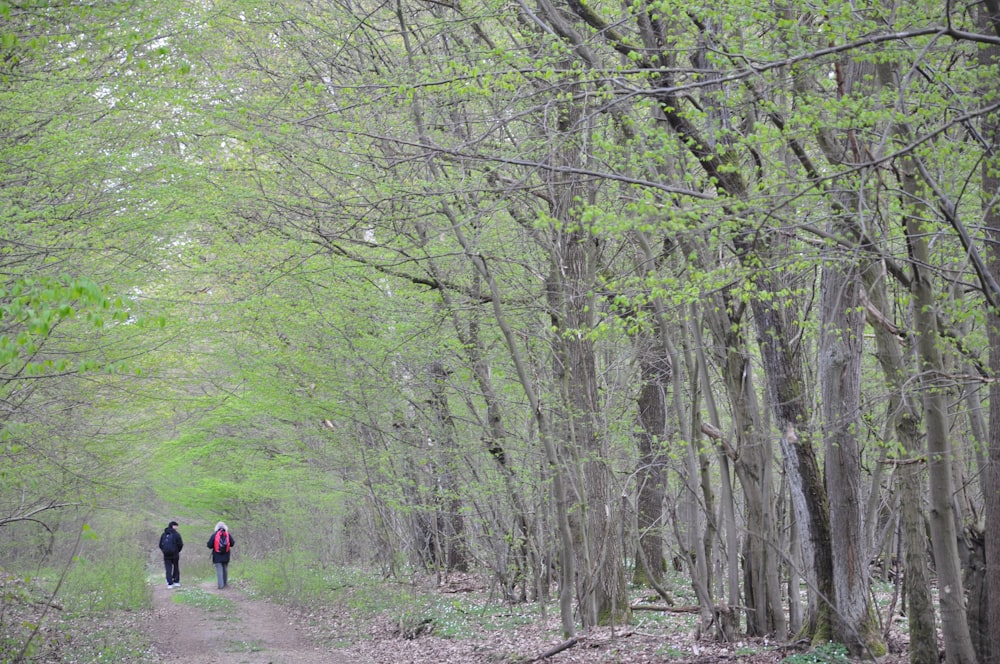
(31, 308)
(109, 641)
(215, 603)
(291, 197)
(288, 574)
(827, 653)
(106, 582)
(106, 575)
(82, 604)
(671, 652)
(263, 471)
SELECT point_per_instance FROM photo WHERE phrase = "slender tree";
(989, 18)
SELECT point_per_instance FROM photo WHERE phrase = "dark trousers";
(172, 564)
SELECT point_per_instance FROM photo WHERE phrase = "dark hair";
(172, 524)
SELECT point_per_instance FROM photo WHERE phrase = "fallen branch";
(718, 609)
(903, 462)
(690, 608)
(568, 643)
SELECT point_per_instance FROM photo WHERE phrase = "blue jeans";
(222, 574)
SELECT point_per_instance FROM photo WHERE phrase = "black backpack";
(168, 543)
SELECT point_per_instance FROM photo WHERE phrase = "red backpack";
(221, 541)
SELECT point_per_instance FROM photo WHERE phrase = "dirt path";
(191, 625)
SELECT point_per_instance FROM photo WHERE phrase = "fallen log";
(718, 609)
(568, 643)
(690, 608)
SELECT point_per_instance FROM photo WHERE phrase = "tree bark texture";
(786, 391)
(450, 520)
(655, 372)
(944, 536)
(989, 17)
(752, 457)
(841, 345)
(602, 587)
(905, 415)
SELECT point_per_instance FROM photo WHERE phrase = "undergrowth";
(211, 602)
(827, 653)
(80, 607)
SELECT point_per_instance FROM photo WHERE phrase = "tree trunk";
(786, 391)
(989, 15)
(656, 375)
(910, 484)
(560, 494)
(796, 620)
(693, 544)
(601, 586)
(728, 502)
(603, 597)
(655, 372)
(751, 456)
(451, 523)
(841, 344)
(782, 368)
(944, 537)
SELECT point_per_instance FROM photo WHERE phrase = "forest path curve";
(242, 630)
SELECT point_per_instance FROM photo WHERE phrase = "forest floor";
(456, 624)
(205, 625)
(255, 631)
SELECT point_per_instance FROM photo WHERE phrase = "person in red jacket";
(221, 543)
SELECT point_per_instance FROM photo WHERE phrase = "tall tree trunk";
(712, 428)
(990, 18)
(784, 374)
(905, 416)
(690, 538)
(451, 524)
(695, 551)
(944, 536)
(786, 392)
(699, 501)
(841, 347)
(751, 456)
(783, 369)
(655, 375)
(841, 344)
(603, 597)
(796, 621)
(560, 494)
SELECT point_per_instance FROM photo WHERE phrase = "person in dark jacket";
(171, 544)
(220, 554)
